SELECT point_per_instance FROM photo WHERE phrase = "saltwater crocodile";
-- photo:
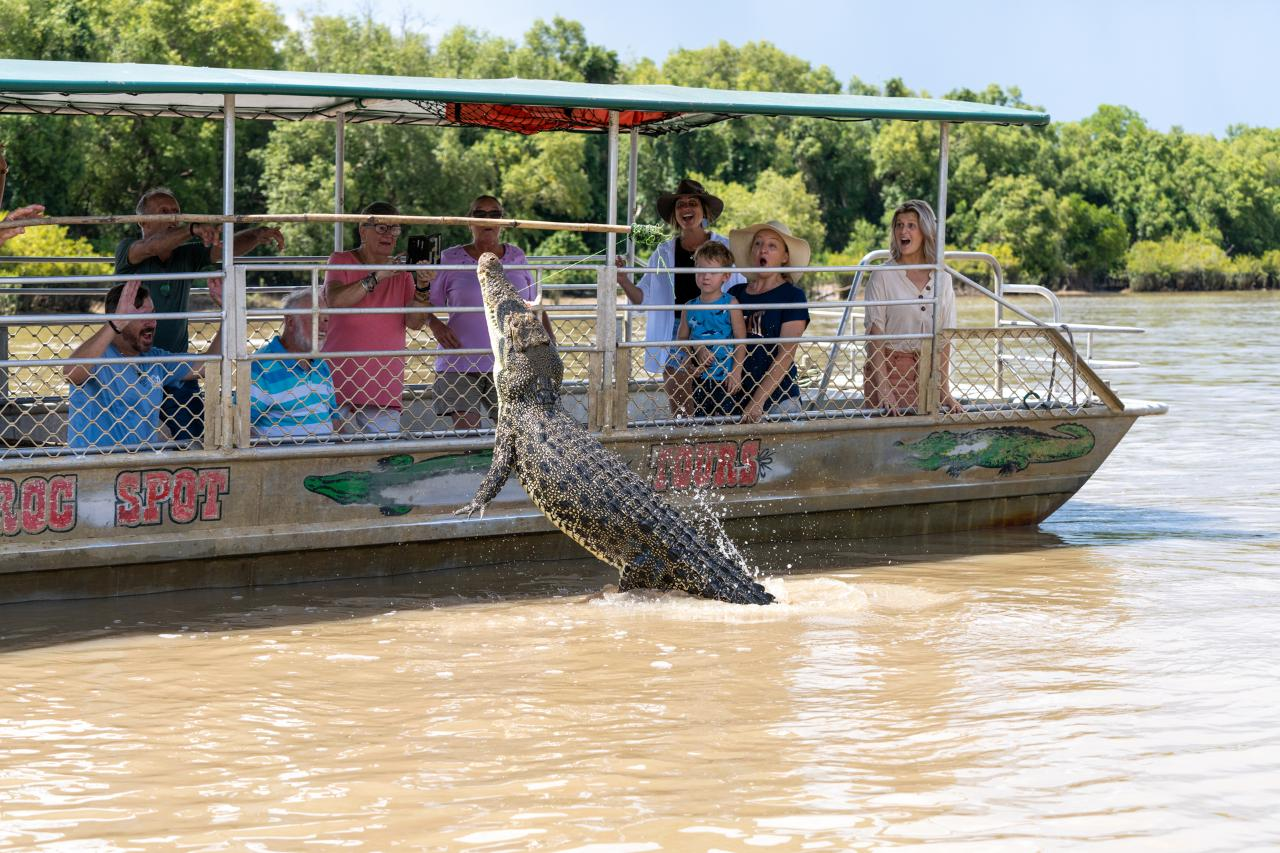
(385, 486)
(1007, 449)
(583, 489)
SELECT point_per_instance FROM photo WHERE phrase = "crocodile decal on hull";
(385, 486)
(586, 491)
(1006, 449)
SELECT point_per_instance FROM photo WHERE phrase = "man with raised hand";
(117, 406)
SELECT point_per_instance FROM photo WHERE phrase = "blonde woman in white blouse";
(892, 369)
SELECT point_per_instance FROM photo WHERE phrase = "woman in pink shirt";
(369, 388)
(464, 383)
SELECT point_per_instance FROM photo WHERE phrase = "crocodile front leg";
(504, 458)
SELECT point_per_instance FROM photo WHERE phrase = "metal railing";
(1021, 367)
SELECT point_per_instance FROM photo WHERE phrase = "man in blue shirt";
(292, 398)
(117, 406)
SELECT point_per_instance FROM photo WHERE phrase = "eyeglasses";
(486, 214)
(384, 229)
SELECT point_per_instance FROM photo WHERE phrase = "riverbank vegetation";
(1105, 202)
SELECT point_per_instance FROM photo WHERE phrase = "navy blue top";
(767, 323)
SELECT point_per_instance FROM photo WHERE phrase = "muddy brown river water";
(1107, 681)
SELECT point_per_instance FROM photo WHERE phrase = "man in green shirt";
(177, 247)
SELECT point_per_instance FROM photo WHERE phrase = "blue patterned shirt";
(713, 326)
(119, 404)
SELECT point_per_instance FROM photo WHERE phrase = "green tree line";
(1102, 202)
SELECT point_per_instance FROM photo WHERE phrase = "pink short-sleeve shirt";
(375, 381)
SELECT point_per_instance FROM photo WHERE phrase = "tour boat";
(234, 509)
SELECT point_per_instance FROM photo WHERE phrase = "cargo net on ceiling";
(535, 119)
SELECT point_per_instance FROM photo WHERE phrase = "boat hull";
(122, 525)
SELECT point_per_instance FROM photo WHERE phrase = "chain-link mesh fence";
(1022, 371)
(281, 398)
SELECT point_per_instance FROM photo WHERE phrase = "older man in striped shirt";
(292, 398)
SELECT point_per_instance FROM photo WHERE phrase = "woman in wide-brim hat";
(769, 373)
(690, 211)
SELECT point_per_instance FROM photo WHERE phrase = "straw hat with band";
(740, 244)
(711, 205)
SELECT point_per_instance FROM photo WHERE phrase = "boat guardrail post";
(233, 289)
(239, 412)
(4, 371)
(314, 319)
(339, 176)
(934, 349)
(607, 295)
(633, 172)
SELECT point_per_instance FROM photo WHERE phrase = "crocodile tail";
(1076, 431)
(736, 587)
(709, 574)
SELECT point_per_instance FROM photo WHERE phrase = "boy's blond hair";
(712, 252)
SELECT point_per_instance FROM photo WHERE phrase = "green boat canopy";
(525, 106)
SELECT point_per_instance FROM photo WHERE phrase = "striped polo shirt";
(291, 397)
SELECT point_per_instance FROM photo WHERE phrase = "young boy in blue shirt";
(717, 369)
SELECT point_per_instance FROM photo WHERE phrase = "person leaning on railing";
(178, 248)
(892, 369)
(117, 406)
(769, 377)
(716, 368)
(464, 383)
(292, 398)
(370, 388)
(690, 211)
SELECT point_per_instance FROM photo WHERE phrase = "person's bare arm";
(784, 356)
(96, 344)
(31, 211)
(215, 348)
(416, 320)
(634, 293)
(249, 239)
(348, 294)
(876, 386)
(546, 324)
(946, 400)
(739, 327)
(167, 239)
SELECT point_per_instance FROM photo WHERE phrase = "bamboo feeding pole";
(326, 218)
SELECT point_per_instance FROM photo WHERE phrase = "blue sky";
(1200, 65)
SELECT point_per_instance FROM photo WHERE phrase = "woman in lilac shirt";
(464, 383)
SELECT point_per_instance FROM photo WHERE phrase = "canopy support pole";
(932, 351)
(233, 295)
(339, 176)
(633, 170)
(607, 295)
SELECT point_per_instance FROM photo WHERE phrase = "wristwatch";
(369, 282)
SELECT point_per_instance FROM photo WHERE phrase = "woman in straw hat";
(689, 210)
(769, 374)
(892, 370)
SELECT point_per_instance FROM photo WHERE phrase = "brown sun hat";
(740, 244)
(710, 204)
